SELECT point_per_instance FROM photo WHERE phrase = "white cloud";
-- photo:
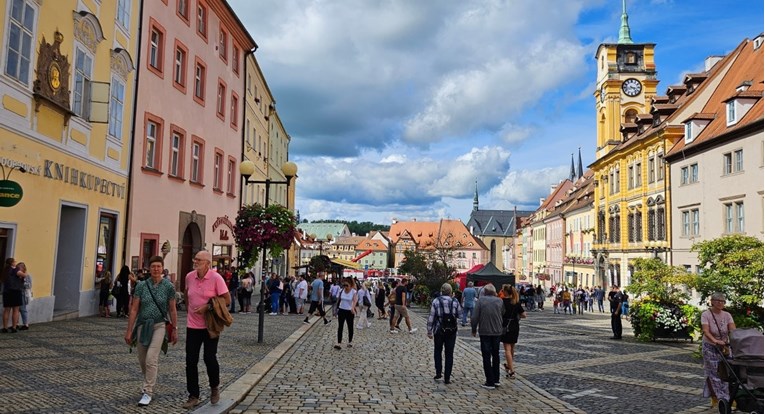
(525, 187)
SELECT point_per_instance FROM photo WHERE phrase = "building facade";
(444, 237)
(184, 193)
(717, 168)
(66, 87)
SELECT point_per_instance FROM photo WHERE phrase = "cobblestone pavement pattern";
(566, 364)
(83, 365)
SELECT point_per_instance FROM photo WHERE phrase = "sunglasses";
(346, 285)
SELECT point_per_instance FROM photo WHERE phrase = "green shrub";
(647, 315)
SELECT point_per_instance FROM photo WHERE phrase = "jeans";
(232, 309)
(344, 316)
(275, 302)
(600, 305)
(195, 338)
(439, 341)
(490, 354)
(465, 311)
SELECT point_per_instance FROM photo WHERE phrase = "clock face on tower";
(632, 87)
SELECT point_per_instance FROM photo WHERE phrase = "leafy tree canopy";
(659, 281)
(732, 265)
(429, 272)
(354, 226)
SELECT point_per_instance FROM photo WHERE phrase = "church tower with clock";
(626, 82)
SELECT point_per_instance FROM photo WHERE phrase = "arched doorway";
(191, 244)
(601, 276)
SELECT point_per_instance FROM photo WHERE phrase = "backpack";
(448, 321)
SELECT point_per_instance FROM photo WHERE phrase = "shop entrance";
(191, 244)
(6, 243)
(69, 255)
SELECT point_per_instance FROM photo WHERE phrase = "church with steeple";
(497, 229)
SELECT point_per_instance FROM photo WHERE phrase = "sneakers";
(488, 386)
(393, 331)
(369, 324)
(437, 377)
(413, 330)
(214, 395)
(191, 403)
(327, 321)
(145, 400)
(447, 381)
(273, 314)
(306, 321)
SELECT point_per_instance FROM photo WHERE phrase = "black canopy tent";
(490, 274)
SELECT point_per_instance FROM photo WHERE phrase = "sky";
(396, 108)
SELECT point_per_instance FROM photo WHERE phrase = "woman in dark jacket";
(510, 321)
(121, 292)
(380, 301)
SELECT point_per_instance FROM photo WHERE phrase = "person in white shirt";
(301, 294)
(363, 307)
(346, 311)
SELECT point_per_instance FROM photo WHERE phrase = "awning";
(347, 263)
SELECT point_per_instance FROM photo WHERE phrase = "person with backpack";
(445, 311)
(513, 312)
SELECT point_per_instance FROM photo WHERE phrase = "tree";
(661, 282)
(732, 265)
(428, 272)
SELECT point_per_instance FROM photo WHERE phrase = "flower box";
(667, 333)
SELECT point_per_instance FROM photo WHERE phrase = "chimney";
(710, 61)
(394, 220)
(541, 200)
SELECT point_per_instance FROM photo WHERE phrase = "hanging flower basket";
(258, 227)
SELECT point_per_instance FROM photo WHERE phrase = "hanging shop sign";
(223, 221)
(10, 193)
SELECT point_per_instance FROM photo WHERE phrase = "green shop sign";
(10, 193)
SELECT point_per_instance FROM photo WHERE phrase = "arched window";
(630, 116)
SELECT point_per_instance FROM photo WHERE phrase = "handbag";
(366, 301)
(169, 327)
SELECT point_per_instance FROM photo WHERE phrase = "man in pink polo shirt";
(202, 284)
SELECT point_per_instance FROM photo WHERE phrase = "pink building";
(184, 189)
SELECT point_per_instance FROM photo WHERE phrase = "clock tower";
(626, 83)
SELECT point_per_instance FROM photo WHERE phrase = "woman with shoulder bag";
(364, 303)
(513, 312)
(716, 325)
(346, 311)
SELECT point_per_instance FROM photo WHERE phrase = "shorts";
(299, 302)
(401, 310)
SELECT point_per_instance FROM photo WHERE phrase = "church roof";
(495, 222)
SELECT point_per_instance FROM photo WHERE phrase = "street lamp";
(246, 169)
(655, 247)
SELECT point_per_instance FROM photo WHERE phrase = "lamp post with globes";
(246, 169)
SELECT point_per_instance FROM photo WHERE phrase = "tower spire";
(580, 172)
(475, 197)
(624, 31)
(572, 174)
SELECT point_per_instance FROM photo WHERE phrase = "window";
(176, 154)
(202, 20)
(727, 163)
(695, 222)
(199, 82)
(234, 110)
(156, 48)
(116, 108)
(631, 177)
(639, 174)
(688, 132)
(151, 145)
(123, 13)
(196, 161)
(651, 169)
(183, 9)
(729, 218)
(738, 160)
(659, 167)
(731, 112)
(235, 60)
(686, 223)
(651, 224)
(684, 175)
(221, 103)
(20, 35)
(83, 65)
(218, 170)
(223, 45)
(230, 176)
(694, 173)
(631, 227)
(740, 215)
(661, 224)
(638, 226)
(179, 69)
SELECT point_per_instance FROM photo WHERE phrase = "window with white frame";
(175, 154)
(21, 23)
(202, 20)
(196, 161)
(155, 48)
(690, 223)
(638, 174)
(738, 160)
(693, 173)
(199, 81)
(151, 145)
(83, 67)
(123, 13)
(695, 222)
(221, 104)
(659, 167)
(183, 8)
(734, 217)
(651, 169)
(116, 108)
(217, 170)
(179, 75)
(730, 112)
(230, 177)
(631, 177)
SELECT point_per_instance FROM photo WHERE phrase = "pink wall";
(157, 198)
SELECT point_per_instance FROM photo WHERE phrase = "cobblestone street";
(83, 365)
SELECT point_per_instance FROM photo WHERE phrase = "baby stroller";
(743, 370)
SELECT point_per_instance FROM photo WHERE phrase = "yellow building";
(66, 87)
(631, 184)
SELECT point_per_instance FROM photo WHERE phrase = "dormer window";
(689, 132)
(730, 112)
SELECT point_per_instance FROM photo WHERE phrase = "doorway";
(70, 251)
(191, 244)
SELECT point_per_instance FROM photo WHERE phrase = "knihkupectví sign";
(10, 193)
